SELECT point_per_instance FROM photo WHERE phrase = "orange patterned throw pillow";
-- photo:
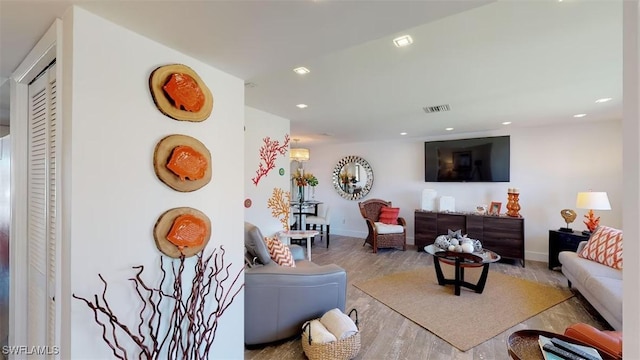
(279, 252)
(605, 247)
(389, 215)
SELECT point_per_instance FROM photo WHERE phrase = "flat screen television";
(485, 159)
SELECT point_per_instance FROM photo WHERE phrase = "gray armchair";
(279, 299)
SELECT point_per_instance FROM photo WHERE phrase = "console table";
(502, 234)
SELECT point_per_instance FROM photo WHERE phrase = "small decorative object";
(183, 163)
(429, 199)
(177, 317)
(247, 203)
(442, 242)
(281, 171)
(467, 247)
(513, 207)
(268, 153)
(477, 246)
(313, 182)
(494, 208)
(182, 231)
(592, 200)
(345, 347)
(455, 241)
(179, 93)
(447, 204)
(279, 203)
(301, 180)
(569, 216)
(481, 209)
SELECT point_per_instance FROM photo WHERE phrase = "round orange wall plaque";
(165, 76)
(163, 227)
(162, 155)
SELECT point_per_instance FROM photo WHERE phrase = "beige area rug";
(467, 320)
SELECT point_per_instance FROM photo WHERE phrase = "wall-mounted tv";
(485, 159)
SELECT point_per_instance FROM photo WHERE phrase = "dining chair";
(323, 219)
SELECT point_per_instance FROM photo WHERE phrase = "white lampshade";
(593, 200)
(299, 154)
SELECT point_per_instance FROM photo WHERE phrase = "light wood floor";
(385, 334)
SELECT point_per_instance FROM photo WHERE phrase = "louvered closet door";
(42, 221)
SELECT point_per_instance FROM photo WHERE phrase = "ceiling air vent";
(438, 108)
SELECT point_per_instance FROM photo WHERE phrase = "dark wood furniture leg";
(459, 277)
(483, 279)
(458, 281)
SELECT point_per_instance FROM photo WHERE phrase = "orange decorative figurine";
(592, 221)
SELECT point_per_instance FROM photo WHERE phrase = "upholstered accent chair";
(382, 235)
(279, 299)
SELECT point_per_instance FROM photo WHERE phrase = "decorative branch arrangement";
(268, 153)
(279, 203)
(190, 329)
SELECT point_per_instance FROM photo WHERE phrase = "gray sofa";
(279, 299)
(601, 285)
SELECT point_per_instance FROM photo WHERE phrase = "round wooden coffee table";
(462, 261)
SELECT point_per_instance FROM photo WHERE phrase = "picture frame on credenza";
(494, 208)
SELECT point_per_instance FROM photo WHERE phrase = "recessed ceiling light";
(301, 70)
(579, 115)
(506, 123)
(403, 41)
(603, 100)
(302, 106)
(403, 133)
(449, 129)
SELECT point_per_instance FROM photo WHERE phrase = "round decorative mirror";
(352, 177)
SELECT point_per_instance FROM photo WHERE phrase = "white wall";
(115, 196)
(549, 165)
(259, 125)
(631, 115)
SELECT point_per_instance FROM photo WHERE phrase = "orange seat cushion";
(609, 342)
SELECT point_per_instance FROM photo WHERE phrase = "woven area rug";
(467, 320)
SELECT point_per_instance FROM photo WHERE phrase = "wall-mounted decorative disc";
(183, 231)
(179, 93)
(281, 171)
(247, 203)
(182, 162)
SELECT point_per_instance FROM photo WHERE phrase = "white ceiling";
(529, 62)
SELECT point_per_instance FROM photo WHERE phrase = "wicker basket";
(343, 349)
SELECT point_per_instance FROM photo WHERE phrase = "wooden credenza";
(502, 234)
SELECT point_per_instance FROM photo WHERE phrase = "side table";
(563, 241)
(296, 234)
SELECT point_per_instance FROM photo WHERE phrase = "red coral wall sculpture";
(268, 154)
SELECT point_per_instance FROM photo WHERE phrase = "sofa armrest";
(581, 246)
(278, 299)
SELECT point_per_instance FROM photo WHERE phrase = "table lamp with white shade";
(592, 200)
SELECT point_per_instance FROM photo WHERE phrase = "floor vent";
(437, 108)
